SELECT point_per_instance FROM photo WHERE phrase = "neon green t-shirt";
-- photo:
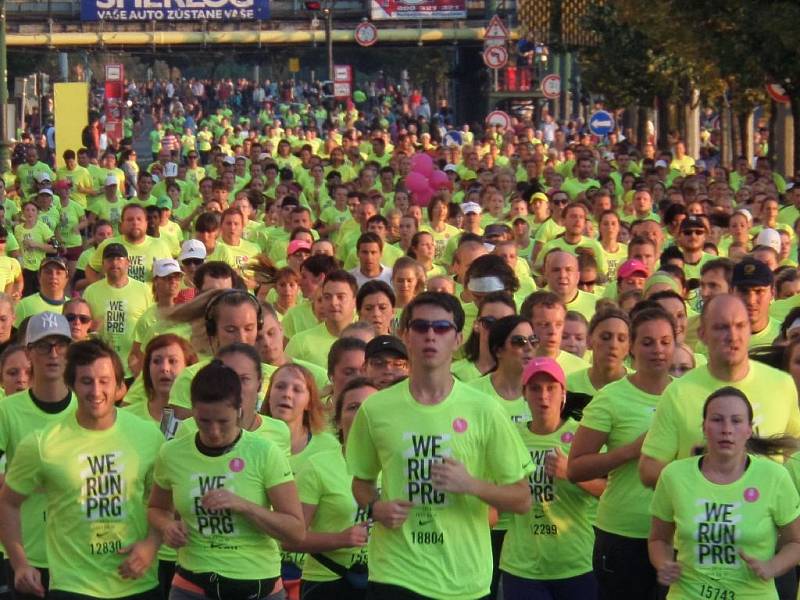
(465, 370)
(312, 345)
(67, 228)
(324, 482)
(442, 550)
(19, 417)
(554, 539)
(560, 243)
(35, 304)
(624, 412)
(10, 271)
(118, 309)
(180, 392)
(272, 430)
(140, 256)
(714, 522)
(223, 541)
(95, 483)
(39, 233)
(676, 429)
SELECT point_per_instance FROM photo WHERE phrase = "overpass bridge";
(57, 24)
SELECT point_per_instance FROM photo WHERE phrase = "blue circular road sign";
(601, 122)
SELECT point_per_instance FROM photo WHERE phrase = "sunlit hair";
(157, 343)
(314, 415)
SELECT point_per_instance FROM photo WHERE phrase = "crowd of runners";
(316, 352)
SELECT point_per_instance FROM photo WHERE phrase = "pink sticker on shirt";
(751, 494)
(236, 465)
(567, 437)
(459, 425)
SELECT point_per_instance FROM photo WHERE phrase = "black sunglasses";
(487, 321)
(84, 319)
(520, 341)
(440, 326)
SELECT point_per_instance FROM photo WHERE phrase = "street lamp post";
(328, 14)
(5, 158)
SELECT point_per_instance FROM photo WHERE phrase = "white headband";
(484, 285)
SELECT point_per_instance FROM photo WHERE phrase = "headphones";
(211, 319)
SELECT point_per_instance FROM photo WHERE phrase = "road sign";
(453, 138)
(495, 57)
(498, 117)
(777, 93)
(342, 90)
(294, 65)
(551, 86)
(601, 122)
(496, 30)
(342, 73)
(366, 34)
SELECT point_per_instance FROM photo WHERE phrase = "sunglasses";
(440, 327)
(520, 341)
(561, 202)
(487, 321)
(44, 348)
(694, 232)
(84, 319)
(194, 262)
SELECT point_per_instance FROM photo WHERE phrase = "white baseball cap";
(229, 160)
(164, 267)
(47, 191)
(471, 207)
(192, 249)
(170, 170)
(661, 163)
(450, 167)
(769, 238)
(41, 176)
(111, 180)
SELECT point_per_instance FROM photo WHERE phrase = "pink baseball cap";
(296, 245)
(544, 365)
(631, 267)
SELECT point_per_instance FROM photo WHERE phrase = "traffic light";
(313, 5)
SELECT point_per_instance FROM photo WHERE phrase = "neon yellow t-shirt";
(118, 309)
(272, 430)
(180, 392)
(39, 233)
(67, 227)
(35, 304)
(19, 417)
(624, 412)
(140, 256)
(312, 345)
(465, 370)
(560, 243)
(95, 483)
(714, 522)
(554, 539)
(442, 550)
(676, 429)
(223, 541)
(10, 271)
(324, 482)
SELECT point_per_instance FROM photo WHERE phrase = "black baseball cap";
(751, 272)
(385, 344)
(115, 251)
(693, 222)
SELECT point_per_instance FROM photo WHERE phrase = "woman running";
(234, 495)
(617, 418)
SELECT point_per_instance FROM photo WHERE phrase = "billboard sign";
(174, 10)
(418, 9)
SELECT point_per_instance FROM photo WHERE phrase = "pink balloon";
(440, 181)
(416, 182)
(422, 197)
(422, 163)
